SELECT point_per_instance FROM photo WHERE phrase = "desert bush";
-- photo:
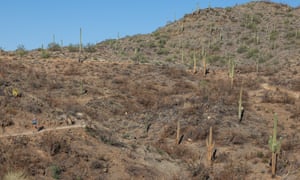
(55, 171)
(53, 144)
(175, 151)
(277, 97)
(252, 53)
(45, 54)
(6, 122)
(199, 171)
(140, 172)
(90, 48)
(21, 50)
(233, 171)
(73, 48)
(54, 47)
(242, 49)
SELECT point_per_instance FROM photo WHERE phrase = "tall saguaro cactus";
(203, 53)
(195, 64)
(80, 45)
(231, 71)
(241, 108)
(210, 144)
(178, 133)
(274, 145)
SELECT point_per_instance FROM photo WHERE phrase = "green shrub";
(273, 35)
(54, 47)
(56, 171)
(21, 51)
(252, 53)
(90, 48)
(242, 49)
(73, 48)
(162, 51)
(45, 54)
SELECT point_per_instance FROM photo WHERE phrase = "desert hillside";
(142, 107)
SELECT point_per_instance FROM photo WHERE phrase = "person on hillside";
(34, 122)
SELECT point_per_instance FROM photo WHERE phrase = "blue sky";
(33, 23)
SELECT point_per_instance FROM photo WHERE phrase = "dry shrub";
(72, 70)
(199, 171)
(268, 71)
(222, 157)
(173, 72)
(54, 84)
(192, 110)
(183, 87)
(246, 69)
(141, 172)
(290, 144)
(296, 112)
(252, 84)
(277, 97)
(196, 132)
(295, 85)
(170, 102)
(5, 121)
(34, 107)
(107, 105)
(17, 154)
(119, 80)
(233, 171)
(176, 151)
(35, 80)
(54, 144)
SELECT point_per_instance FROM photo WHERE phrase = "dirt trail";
(273, 88)
(30, 133)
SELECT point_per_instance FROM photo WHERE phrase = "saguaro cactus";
(195, 64)
(241, 108)
(231, 71)
(178, 132)
(274, 145)
(80, 43)
(204, 61)
(210, 144)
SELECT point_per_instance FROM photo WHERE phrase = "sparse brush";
(274, 145)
